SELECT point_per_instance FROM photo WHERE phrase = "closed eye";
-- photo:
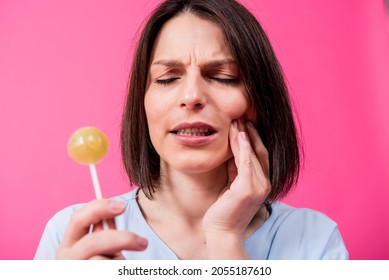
(226, 81)
(166, 81)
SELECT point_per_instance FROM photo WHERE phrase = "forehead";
(187, 37)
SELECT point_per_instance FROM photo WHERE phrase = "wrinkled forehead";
(190, 39)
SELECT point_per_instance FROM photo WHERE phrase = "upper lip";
(198, 125)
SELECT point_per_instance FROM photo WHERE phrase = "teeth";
(194, 132)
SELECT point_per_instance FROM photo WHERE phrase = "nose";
(193, 95)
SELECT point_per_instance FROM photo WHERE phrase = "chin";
(200, 166)
(201, 171)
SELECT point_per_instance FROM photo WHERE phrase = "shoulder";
(285, 215)
(301, 233)
(54, 232)
(313, 226)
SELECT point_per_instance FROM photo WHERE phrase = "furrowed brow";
(169, 63)
(218, 63)
(212, 63)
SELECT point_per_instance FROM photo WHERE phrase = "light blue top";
(289, 233)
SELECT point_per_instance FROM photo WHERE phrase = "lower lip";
(193, 140)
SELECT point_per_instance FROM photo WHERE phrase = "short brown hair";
(261, 75)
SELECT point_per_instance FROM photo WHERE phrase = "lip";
(194, 125)
(194, 140)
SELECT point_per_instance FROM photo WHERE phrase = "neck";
(187, 196)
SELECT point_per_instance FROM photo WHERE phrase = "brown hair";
(261, 75)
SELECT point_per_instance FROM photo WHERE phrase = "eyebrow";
(177, 63)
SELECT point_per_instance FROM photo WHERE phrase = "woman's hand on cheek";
(247, 189)
(79, 243)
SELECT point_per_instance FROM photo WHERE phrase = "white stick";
(96, 186)
(95, 180)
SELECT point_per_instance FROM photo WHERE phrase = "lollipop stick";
(95, 180)
(96, 185)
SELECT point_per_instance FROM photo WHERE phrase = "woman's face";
(194, 92)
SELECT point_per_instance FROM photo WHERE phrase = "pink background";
(64, 64)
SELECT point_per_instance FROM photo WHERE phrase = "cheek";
(155, 107)
(149, 105)
(157, 111)
(157, 104)
(239, 108)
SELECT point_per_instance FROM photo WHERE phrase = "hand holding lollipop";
(88, 145)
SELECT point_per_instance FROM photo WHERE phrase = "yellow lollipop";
(88, 145)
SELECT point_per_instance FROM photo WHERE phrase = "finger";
(99, 226)
(98, 258)
(244, 165)
(260, 180)
(259, 148)
(260, 159)
(256, 185)
(106, 243)
(259, 171)
(118, 256)
(249, 165)
(232, 171)
(241, 125)
(92, 213)
(233, 138)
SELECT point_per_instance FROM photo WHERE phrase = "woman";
(209, 138)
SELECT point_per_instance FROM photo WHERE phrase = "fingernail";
(116, 206)
(142, 242)
(250, 125)
(243, 135)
